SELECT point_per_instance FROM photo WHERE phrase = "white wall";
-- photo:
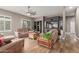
(16, 19)
(77, 21)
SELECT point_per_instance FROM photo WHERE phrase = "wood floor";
(31, 46)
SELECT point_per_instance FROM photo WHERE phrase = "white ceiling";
(40, 10)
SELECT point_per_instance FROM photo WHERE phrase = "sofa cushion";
(47, 35)
(6, 41)
(1, 41)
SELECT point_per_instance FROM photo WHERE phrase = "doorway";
(38, 26)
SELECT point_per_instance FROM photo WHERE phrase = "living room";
(39, 29)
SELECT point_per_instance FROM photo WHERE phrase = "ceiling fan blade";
(30, 11)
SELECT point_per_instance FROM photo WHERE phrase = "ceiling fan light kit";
(30, 12)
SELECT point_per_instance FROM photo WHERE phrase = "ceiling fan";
(30, 12)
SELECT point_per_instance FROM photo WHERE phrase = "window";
(5, 24)
(26, 23)
(1, 25)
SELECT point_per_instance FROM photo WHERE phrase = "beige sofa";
(22, 32)
(15, 46)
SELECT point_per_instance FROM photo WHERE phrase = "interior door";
(70, 27)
